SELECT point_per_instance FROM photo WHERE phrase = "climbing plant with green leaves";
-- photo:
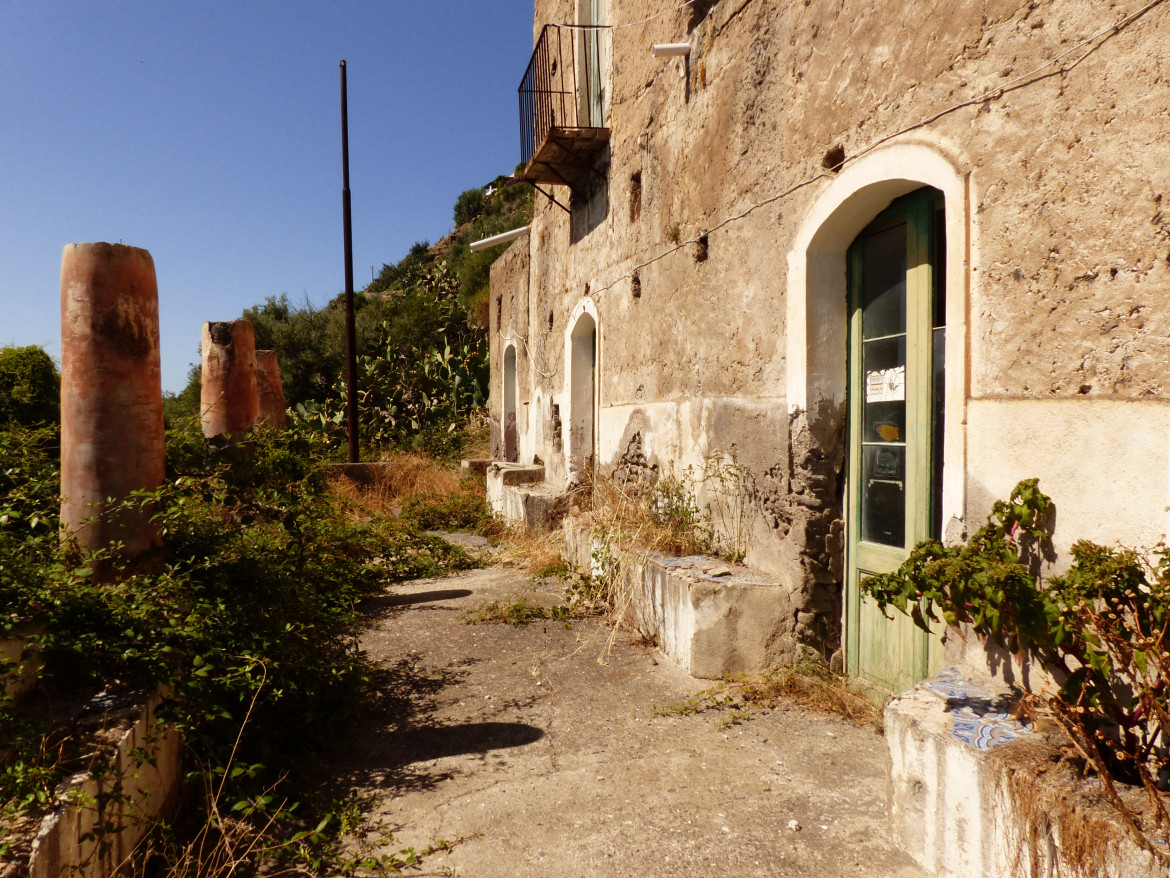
(1100, 629)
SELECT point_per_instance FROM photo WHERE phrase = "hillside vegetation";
(422, 337)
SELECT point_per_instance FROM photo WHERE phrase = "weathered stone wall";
(508, 325)
(715, 166)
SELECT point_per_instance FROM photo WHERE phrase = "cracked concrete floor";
(548, 762)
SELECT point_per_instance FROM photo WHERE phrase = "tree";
(30, 387)
(468, 206)
(184, 405)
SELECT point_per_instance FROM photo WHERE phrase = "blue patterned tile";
(985, 730)
(977, 715)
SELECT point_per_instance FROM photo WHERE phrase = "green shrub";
(468, 206)
(253, 616)
(452, 513)
(1100, 629)
(30, 388)
(406, 272)
(185, 404)
(412, 392)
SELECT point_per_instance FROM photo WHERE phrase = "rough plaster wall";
(508, 323)
(1070, 261)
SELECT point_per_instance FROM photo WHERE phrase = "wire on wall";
(652, 17)
(527, 350)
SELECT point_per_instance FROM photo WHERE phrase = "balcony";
(562, 123)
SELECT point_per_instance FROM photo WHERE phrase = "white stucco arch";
(817, 300)
(582, 391)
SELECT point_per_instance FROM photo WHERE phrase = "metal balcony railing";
(562, 103)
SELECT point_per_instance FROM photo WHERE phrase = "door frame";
(915, 212)
(583, 357)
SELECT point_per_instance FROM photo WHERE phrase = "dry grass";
(1049, 788)
(532, 551)
(399, 476)
(809, 686)
(661, 519)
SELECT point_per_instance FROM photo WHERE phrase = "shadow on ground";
(421, 597)
(399, 732)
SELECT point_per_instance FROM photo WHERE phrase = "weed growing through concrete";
(809, 686)
(732, 511)
(517, 612)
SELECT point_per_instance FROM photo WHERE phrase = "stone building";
(890, 257)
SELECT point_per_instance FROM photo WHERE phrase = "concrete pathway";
(549, 761)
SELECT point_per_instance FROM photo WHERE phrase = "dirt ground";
(539, 757)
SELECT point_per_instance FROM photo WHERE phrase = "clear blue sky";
(209, 133)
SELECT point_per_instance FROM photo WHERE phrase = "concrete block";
(476, 465)
(517, 493)
(515, 473)
(710, 617)
(146, 770)
(954, 746)
(578, 544)
(545, 506)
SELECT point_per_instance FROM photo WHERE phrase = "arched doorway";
(583, 394)
(895, 424)
(827, 380)
(511, 431)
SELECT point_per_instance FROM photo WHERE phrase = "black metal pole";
(350, 327)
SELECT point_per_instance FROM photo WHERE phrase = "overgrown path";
(546, 762)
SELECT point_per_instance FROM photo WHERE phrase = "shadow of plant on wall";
(1100, 629)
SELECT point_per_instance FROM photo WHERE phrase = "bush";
(30, 388)
(454, 512)
(413, 392)
(468, 206)
(1100, 629)
(254, 615)
(406, 272)
(185, 404)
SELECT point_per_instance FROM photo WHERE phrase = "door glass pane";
(883, 290)
(883, 494)
(883, 390)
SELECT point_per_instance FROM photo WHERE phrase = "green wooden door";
(897, 336)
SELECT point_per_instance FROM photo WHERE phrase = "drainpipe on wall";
(502, 238)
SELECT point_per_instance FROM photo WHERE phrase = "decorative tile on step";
(952, 684)
(985, 730)
(976, 713)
